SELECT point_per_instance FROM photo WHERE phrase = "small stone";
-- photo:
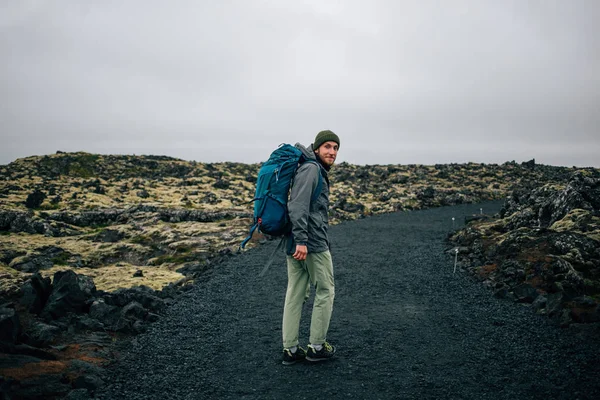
(539, 304)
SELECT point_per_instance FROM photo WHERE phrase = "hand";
(300, 253)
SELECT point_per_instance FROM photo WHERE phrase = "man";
(309, 260)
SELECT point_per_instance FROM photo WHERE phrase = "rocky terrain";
(96, 247)
(542, 250)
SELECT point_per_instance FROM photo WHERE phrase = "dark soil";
(405, 326)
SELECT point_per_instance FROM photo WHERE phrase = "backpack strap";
(252, 229)
(317, 191)
(272, 257)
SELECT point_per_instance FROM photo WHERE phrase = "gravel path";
(405, 327)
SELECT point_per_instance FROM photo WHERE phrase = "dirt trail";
(405, 326)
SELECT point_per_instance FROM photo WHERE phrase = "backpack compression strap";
(252, 229)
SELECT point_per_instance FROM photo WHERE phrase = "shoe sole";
(292, 362)
(318, 359)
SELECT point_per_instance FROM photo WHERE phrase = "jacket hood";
(307, 151)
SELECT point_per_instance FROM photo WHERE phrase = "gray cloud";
(399, 81)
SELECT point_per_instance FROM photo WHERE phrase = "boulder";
(19, 221)
(89, 382)
(181, 215)
(8, 217)
(71, 293)
(221, 184)
(89, 218)
(40, 334)
(426, 194)
(84, 323)
(143, 295)
(40, 259)
(134, 311)
(108, 236)
(539, 304)
(35, 293)
(529, 164)
(35, 199)
(105, 313)
(525, 293)
(31, 263)
(543, 206)
(10, 327)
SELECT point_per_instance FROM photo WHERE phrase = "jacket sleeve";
(305, 182)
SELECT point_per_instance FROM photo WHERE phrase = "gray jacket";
(310, 221)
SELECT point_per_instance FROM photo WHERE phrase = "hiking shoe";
(324, 354)
(290, 358)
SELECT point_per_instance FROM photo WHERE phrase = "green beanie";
(325, 136)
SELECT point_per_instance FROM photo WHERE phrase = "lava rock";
(8, 218)
(539, 304)
(105, 313)
(40, 334)
(42, 258)
(71, 293)
(10, 327)
(35, 199)
(134, 310)
(35, 293)
(143, 295)
(108, 236)
(525, 293)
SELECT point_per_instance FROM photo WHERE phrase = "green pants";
(318, 270)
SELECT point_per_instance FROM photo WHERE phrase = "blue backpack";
(272, 190)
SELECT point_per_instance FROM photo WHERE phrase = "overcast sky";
(228, 80)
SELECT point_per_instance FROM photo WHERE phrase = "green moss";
(47, 206)
(84, 165)
(61, 259)
(183, 254)
(174, 259)
(4, 233)
(141, 239)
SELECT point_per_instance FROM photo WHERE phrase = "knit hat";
(325, 136)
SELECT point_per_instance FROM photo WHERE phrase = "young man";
(309, 259)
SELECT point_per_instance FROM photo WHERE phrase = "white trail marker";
(455, 259)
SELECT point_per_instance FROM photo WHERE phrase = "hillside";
(109, 216)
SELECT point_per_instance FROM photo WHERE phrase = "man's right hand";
(300, 253)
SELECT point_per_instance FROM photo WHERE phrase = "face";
(327, 152)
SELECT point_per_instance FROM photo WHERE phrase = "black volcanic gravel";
(404, 325)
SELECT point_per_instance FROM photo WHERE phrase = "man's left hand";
(300, 253)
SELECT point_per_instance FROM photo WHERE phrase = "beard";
(323, 163)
